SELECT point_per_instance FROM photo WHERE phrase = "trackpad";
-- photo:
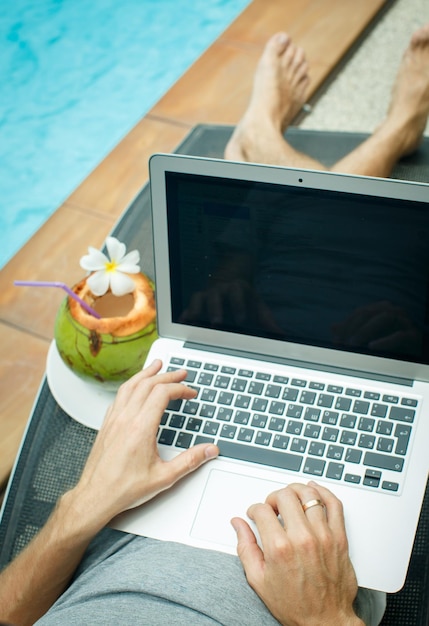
(228, 495)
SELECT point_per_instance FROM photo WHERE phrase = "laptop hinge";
(386, 378)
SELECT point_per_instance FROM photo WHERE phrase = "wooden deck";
(214, 90)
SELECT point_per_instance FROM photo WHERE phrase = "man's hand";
(303, 573)
(124, 468)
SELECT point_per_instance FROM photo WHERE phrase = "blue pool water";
(75, 77)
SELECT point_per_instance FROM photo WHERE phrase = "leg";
(279, 89)
(280, 83)
(402, 130)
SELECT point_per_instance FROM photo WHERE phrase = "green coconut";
(113, 348)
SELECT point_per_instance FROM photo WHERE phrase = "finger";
(267, 523)
(149, 412)
(289, 504)
(141, 385)
(188, 461)
(334, 509)
(249, 553)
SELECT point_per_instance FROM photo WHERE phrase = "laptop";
(298, 303)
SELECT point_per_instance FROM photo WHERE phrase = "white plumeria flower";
(111, 271)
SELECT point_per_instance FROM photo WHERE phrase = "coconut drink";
(104, 329)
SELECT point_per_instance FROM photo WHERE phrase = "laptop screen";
(309, 266)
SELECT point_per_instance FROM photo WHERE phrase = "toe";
(278, 43)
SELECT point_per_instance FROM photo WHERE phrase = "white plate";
(85, 401)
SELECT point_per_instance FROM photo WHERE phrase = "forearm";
(38, 576)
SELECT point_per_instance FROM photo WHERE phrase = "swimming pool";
(76, 76)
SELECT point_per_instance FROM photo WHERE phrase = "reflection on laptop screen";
(334, 270)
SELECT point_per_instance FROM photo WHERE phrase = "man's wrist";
(78, 518)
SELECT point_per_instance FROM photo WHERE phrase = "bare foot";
(279, 87)
(409, 107)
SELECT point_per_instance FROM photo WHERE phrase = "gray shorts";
(124, 579)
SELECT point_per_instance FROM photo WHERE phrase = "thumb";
(249, 553)
(190, 460)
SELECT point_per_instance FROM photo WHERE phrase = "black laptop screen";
(333, 270)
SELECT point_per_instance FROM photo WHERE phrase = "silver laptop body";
(298, 302)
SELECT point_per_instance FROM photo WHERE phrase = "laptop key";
(242, 402)
(391, 399)
(241, 417)
(400, 414)
(211, 367)
(222, 382)
(191, 376)
(343, 404)
(281, 442)
(256, 388)
(225, 398)
(294, 410)
(409, 402)
(277, 424)
(263, 438)
(317, 385)
(352, 478)
(355, 393)
(193, 424)
(239, 384)
(298, 382)
(167, 436)
(361, 407)
(283, 380)
(314, 466)
(273, 391)
(202, 439)
(208, 395)
(389, 485)
(325, 400)
(190, 408)
(245, 434)
(383, 461)
(290, 394)
(184, 440)
(298, 445)
(174, 405)
(262, 376)
(259, 404)
(335, 471)
(207, 410)
(175, 360)
(379, 410)
(262, 455)
(294, 428)
(194, 364)
(211, 428)
(205, 378)
(259, 420)
(403, 433)
(277, 408)
(245, 373)
(228, 431)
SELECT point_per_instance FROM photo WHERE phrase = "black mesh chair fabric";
(55, 447)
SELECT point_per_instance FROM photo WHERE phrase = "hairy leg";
(279, 88)
(280, 83)
(401, 132)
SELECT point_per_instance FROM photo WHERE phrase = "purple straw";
(72, 294)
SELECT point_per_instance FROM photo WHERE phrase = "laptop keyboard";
(305, 426)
